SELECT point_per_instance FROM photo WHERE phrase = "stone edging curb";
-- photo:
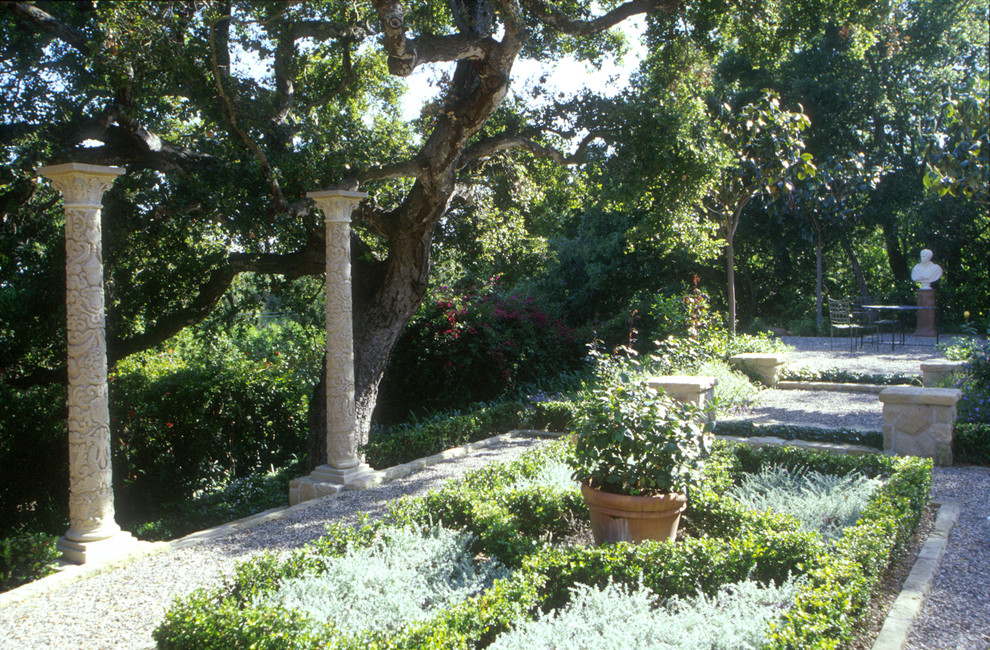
(897, 626)
(69, 573)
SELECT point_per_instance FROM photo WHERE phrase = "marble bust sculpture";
(926, 271)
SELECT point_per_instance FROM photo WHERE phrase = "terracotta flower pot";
(623, 518)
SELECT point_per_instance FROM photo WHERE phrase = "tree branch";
(321, 30)
(488, 148)
(406, 54)
(403, 169)
(557, 19)
(276, 190)
(46, 22)
(130, 143)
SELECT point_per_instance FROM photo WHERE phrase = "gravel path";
(119, 608)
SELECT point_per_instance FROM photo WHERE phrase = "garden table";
(898, 310)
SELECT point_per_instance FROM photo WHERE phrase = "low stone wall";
(939, 373)
(919, 421)
(699, 391)
(765, 367)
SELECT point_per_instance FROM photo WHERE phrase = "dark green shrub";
(194, 415)
(25, 558)
(971, 443)
(237, 498)
(837, 376)
(201, 621)
(749, 429)
(753, 459)
(472, 346)
(411, 440)
(33, 434)
(691, 565)
(552, 415)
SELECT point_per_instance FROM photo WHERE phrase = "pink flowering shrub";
(474, 345)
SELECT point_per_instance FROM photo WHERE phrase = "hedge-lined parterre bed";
(749, 429)
(522, 516)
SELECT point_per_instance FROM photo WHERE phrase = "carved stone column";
(93, 534)
(343, 461)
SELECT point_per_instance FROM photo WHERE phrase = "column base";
(97, 551)
(324, 481)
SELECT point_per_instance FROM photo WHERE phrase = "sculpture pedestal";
(926, 315)
(98, 550)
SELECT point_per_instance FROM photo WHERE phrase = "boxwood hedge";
(527, 527)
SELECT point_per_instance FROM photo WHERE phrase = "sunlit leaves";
(958, 160)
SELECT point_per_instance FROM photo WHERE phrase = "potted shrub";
(636, 455)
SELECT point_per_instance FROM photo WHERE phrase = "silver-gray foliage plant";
(826, 503)
(405, 576)
(618, 618)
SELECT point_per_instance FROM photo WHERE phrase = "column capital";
(79, 183)
(337, 205)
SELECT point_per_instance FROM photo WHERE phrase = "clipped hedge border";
(837, 376)
(403, 443)
(829, 608)
(765, 546)
(971, 443)
(750, 429)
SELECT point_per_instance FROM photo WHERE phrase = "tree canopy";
(225, 113)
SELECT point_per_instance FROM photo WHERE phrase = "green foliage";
(838, 590)
(635, 440)
(26, 557)
(734, 617)
(971, 443)
(33, 434)
(418, 438)
(194, 415)
(472, 346)
(202, 620)
(733, 390)
(823, 503)
(971, 434)
(517, 513)
(749, 429)
(234, 499)
(958, 160)
(552, 415)
(839, 376)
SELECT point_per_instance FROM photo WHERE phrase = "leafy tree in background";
(763, 144)
(958, 161)
(826, 201)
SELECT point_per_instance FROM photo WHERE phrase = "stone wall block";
(939, 372)
(765, 367)
(919, 421)
(697, 391)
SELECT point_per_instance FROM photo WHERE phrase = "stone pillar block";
(765, 367)
(698, 391)
(939, 373)
(919, 421)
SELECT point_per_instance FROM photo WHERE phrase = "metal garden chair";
(842, 316)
